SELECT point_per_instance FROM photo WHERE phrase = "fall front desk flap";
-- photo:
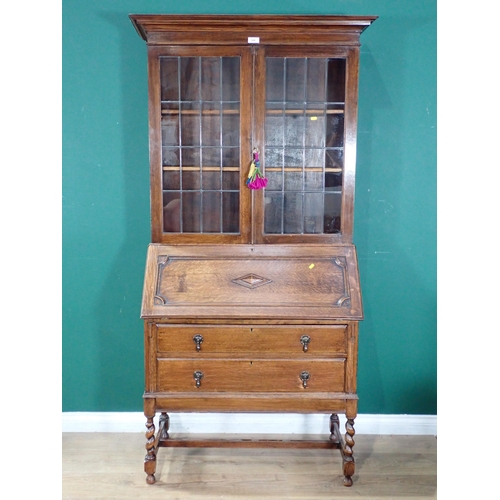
(252, 281)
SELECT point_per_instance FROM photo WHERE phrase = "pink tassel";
(255, 178)
(258, 183)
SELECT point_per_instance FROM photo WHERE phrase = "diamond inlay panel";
(251, 281)
(260, 285)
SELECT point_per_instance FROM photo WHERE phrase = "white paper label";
(253, 39)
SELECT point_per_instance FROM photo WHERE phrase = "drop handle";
(305, 376)
(197, 375)
(304, 340)
(198, 340)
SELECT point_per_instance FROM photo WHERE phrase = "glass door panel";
(304, 145)
(200, 133)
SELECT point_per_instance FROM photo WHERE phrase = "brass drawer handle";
(198, 340)
(305, 376)
(304, 340)
(197, 377)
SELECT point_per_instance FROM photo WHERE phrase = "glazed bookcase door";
(200, 114)
(308, 145)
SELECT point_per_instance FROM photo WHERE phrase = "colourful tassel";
(255, 178)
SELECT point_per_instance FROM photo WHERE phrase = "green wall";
(106, 198)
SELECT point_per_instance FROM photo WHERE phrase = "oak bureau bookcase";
(251, 297)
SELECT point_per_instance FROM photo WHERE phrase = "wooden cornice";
(270, 29)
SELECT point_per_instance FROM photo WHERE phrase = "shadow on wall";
(121, 357)
(397, 348)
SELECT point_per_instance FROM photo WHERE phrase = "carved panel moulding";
(210, 281)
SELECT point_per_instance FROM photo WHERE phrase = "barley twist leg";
(150, 458)
(164, 425)
(334, 420)
(348, 456)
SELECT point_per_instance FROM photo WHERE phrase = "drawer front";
(215, 375)
(275, 339)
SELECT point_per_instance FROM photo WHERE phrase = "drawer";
(315, 340)
(259, 375)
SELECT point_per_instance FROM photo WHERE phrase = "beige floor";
(110, 466)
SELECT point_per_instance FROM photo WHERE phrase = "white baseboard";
(249, 423)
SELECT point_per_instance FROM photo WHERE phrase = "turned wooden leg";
(150, 458)
(347, 456)
(334, 420)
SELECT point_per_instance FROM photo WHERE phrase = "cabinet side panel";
(150, 334)
(155, 144)
(352, 357)
(351, 123)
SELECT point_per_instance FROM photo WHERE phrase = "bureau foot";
(150, 458)
(347, 481)
(347, 455)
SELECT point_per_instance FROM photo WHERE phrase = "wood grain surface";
(99, 466)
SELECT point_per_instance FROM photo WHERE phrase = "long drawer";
(186, 340)
(259, 375)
